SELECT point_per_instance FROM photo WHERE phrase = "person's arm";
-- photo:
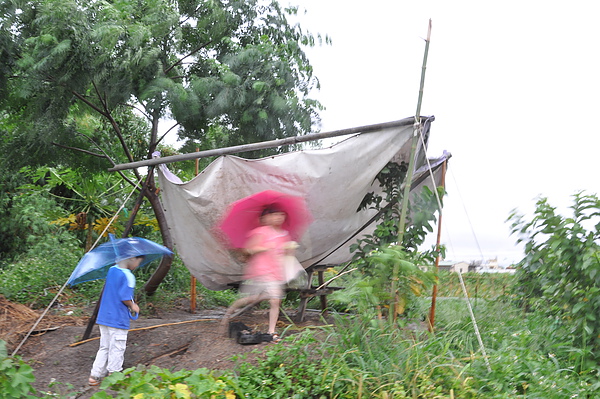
(132, 306)
(253, 245)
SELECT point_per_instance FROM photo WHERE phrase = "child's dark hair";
(270, 209)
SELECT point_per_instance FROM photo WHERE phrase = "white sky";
(514, 87)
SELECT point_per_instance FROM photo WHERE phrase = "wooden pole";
(411, 162)
(437, 259)
(193, 279)
(262, 145)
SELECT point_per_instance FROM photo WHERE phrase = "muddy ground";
(174, 339)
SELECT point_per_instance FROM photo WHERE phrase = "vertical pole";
(193, 279)
(437, 259)
(413, 149)
(411, 166)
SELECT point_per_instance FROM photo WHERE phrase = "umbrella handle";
(133, 315)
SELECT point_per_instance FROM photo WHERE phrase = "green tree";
(560, 274)
(79, 75)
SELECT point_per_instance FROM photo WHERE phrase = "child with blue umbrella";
(115, 261)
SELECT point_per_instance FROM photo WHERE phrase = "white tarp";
(333, 180)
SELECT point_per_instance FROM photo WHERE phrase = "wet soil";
(174, 339)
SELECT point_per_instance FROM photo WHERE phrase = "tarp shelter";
(334, 181)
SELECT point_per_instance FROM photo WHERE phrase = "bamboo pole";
(411, 166)
(144, 328)
(261, 145)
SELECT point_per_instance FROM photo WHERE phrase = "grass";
(530, 356)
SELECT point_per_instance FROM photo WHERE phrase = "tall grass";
(528, 357)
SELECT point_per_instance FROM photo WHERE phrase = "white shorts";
(270, 289)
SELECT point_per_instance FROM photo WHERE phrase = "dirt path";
(180, 340)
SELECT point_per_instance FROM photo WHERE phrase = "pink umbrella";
(243, 215)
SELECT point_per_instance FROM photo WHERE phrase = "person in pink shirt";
(264, 275)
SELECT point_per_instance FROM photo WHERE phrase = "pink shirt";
(267, 265)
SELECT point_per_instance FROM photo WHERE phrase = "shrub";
(37, 275)
(560, 275)
(303, 367)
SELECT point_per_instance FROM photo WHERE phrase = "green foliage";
(235, 65)
(369, 293)
(154, 382)
(560, 275)
(388, 207)
(530, 357)
(95, 195)
(24, 218)
(90, 82)
(479, 285)
(15, 376)
(302, 368)
(39, 273)
(389, 273)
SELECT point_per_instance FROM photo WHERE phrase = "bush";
(560, 275)
(36, 276)
(303, 367)
(24, 222)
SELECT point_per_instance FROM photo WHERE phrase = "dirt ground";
(174, 339)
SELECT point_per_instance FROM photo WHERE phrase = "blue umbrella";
(95, 264)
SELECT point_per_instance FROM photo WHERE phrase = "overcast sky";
(514, 87)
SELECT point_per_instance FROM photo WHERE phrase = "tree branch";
(82, 150)
(167, 132)
(123, 176)
(89, 103)
(114, 124)
(187, 55)
(137, 109)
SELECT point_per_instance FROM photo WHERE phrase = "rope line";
(462, 202)
(65, 284)
(485, 357)
(437, 196)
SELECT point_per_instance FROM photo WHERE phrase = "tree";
(78, 74)
(560, 274)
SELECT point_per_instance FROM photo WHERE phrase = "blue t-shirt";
(119, 287)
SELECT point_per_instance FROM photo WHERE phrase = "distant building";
(477, 266)
(457, 267)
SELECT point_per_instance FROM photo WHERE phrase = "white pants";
(111, 352)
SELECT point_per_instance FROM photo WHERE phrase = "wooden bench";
(306, 294)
